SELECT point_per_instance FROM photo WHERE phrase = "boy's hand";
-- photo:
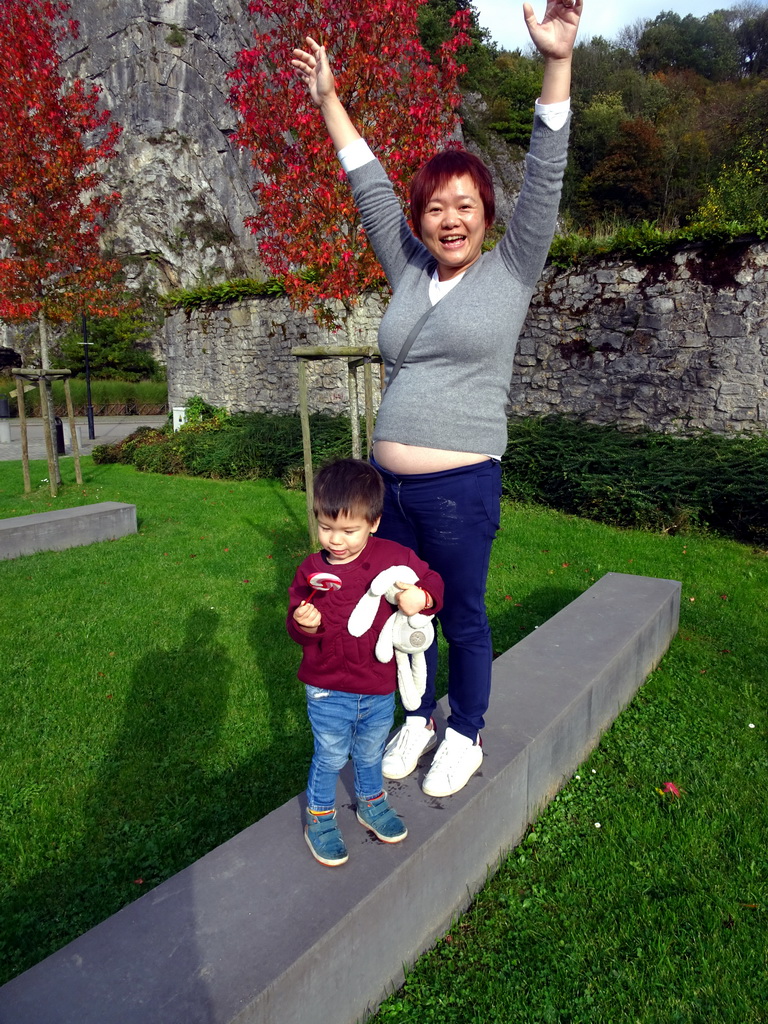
(308, 617)
(412, 599)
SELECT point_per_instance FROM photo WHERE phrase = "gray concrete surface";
(66, 528)
(257, 932)
(107, 429)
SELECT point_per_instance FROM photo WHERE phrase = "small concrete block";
(66, 528)
(257, 932)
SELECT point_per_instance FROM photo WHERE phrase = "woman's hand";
(313, 67)
(555, 35)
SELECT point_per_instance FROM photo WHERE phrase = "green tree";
(596, 63)
(515, 86)
(599, 124)
(626, 184)
(752, 39)
(740, 192)
(114, 349)
(435, 29)
(705, 45)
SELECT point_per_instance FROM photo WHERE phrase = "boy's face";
(344, 537)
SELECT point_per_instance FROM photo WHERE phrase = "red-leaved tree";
(54, 140)
(307, 228)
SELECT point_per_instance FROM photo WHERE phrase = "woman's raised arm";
(554, 37)
(313, 67)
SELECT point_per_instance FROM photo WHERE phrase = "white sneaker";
(414, 738)
(456, 761)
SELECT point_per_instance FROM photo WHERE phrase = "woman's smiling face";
(453, 226)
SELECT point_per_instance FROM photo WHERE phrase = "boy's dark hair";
(349, 487)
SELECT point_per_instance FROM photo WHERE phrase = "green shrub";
(240, 447)
(641, 479)
(622, 478)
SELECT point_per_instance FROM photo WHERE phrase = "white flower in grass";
(598, 825)
(751, 725)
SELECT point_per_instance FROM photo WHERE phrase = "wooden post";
(368, 390)
(354, 406)
(24, 438)
(307, 445)
(73, 431)
(354, 356)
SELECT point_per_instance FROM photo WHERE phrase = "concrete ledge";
(257, 933)
(66, 528)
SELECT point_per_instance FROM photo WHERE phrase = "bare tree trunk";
(46, 389)
(45, 358)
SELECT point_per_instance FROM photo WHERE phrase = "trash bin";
(59, 435)
(5, 426)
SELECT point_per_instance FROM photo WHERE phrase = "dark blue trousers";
(450, 520)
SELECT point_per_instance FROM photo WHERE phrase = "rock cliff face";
(186, 189)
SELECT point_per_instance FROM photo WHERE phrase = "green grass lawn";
(150, 710)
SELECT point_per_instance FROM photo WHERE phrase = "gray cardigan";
(451, 392)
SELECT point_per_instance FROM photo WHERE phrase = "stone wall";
(677, 346)
(240, 356)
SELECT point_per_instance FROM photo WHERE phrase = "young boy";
(350, 695)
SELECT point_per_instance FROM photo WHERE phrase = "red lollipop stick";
(322, 581)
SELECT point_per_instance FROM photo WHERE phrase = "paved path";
(107, 429)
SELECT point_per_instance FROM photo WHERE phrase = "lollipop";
(322, 581)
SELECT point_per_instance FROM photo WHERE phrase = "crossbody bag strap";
(407, 345)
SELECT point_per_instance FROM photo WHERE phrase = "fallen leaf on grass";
(669, 789)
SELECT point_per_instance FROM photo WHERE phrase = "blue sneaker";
(379, 817)
(324, 839)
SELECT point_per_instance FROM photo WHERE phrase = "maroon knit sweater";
(332, 658)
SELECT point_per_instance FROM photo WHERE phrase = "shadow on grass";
(154, 808)
(512, 621)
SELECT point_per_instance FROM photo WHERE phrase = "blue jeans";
(450, 520)
(347, 725)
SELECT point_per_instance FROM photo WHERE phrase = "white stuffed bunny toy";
(405, 636)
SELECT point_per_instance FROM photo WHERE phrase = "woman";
(442, 429)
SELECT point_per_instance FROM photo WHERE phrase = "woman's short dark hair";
(349, 487)
(438, 171)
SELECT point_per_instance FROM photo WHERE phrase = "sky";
(504, 18)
